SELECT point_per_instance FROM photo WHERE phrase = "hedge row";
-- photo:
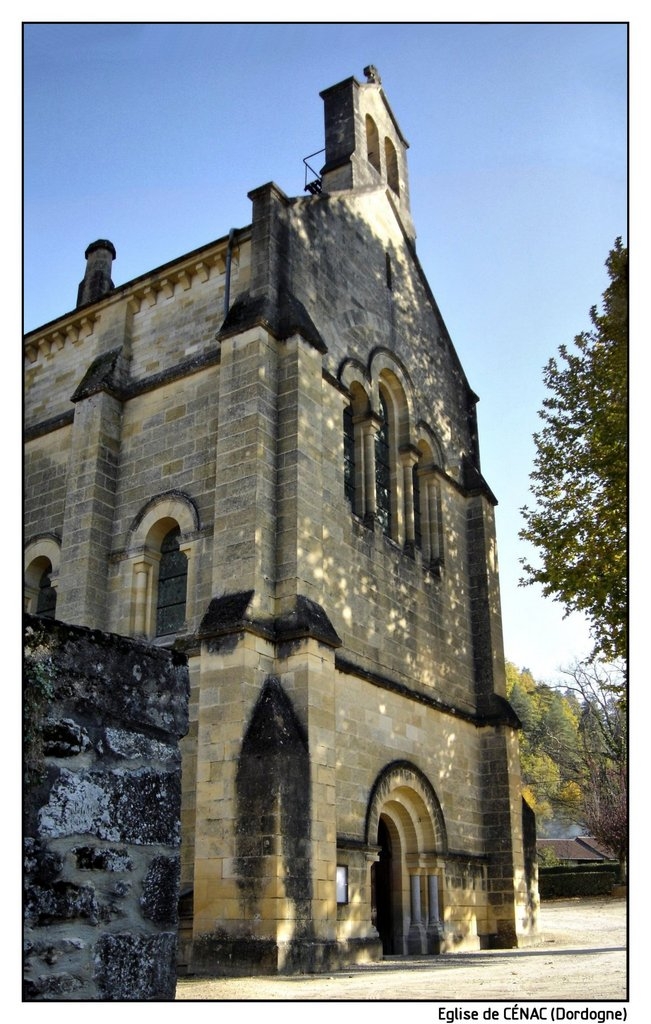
(568, 882)
(562, 869)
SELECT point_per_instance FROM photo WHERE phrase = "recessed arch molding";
(402, 776)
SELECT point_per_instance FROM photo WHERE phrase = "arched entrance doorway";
(382, 890)
(405, 824)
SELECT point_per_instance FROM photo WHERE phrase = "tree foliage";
(549, 750)
(603, 761)
(579, 480)
(573, 752)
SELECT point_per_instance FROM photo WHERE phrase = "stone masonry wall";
(103, 717)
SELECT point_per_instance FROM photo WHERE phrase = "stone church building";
(265, 454)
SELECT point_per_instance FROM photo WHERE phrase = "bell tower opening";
(372, 143)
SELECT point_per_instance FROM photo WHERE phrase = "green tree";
(547, 858)
(548, 748)
(579, 480)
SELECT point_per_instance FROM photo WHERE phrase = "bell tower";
(364, 146)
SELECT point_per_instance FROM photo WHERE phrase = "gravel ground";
(580, 955)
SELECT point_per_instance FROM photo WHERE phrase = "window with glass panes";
(383, 470)
(349, 455)
(172, 585)
(418, 532)
(47, 596)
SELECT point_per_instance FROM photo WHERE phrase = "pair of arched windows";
(389, 481)
(161, 581)
(373, 153)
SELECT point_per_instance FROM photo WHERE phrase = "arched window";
(359, 476)
(42, 559)
(391, 160)
(427, 504)
(46, 600)
(418, 525)
(349, 455)
(160, 568)
(172, 585)
(383, 469)
(372, 143)
(383, 455)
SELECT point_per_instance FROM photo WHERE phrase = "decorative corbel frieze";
(72, 333)
(86, 326)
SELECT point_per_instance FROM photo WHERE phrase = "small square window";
(342, 884)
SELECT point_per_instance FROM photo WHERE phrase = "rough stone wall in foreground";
(103, 717)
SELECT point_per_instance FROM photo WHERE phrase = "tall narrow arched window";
(172, 585)
(418, 524)
(372, 143)
(159, 572)
(428, 505)
(349, 456)
(383, 469)
(46, 599)
(391, 160)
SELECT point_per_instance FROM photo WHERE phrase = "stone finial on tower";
(372, 74)
(97, 280)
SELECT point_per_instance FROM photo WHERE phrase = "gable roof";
(582, 848)
(593, 844)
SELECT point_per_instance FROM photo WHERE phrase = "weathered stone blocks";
(102, 815)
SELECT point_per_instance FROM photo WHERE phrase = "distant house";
(581, 850)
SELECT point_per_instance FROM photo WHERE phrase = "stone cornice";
(130, 389)
(49, 426)
(501, 713)
(354, 845)
(177, 372)
(145, 290)
(72, 328)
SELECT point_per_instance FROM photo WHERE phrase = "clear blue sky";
(151, 135)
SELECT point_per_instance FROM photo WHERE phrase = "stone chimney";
(97, 280)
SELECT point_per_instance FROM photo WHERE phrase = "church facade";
(265, 454)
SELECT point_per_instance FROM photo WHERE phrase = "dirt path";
(581, 955)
